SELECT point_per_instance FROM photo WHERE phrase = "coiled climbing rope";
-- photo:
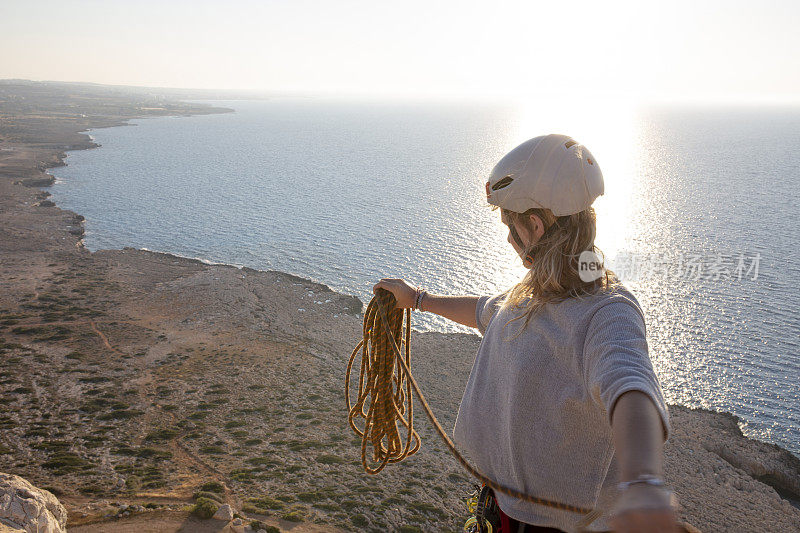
(385, 399)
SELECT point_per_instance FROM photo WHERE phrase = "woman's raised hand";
(402, 291)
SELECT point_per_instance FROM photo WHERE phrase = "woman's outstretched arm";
(459, 309)
(639, 441)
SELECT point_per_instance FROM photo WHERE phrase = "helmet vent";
(505, 182)
(569, 143)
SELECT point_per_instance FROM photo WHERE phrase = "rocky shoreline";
(133, 378)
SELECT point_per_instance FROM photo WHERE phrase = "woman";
(562, 401)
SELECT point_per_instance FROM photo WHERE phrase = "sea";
(699, 217)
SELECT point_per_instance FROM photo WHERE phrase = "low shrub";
(265, 502)
(204, 508)
(359, 520)
(213, 450)
(209, 495)
(212, 486)
(294, 516)
(328, 459)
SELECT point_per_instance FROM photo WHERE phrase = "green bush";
(359, 520)
(212, 486)
(67, 462)
(328, 459)
(213, 450)
(133, 483)
(120, 415)
(204, 508)
(208, 495)
(258, 524)
(161, 435)
(153, 453)
(327, 506)
(262, 461)
(425, 507)
(309, 497)
(265, 502)
(294, 516)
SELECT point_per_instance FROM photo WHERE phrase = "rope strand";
(387, 381)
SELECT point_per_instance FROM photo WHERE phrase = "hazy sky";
(643, 50)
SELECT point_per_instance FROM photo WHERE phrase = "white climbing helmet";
(552, 171)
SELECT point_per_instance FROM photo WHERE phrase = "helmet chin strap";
(514, 235)
(528, 257)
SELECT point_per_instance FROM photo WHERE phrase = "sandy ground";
(131, 378)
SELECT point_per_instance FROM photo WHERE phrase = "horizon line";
(437, 96)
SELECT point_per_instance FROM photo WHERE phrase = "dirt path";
(104, 338)
(198, 470)
(195, 470)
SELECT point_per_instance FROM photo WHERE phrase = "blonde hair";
(553, 275)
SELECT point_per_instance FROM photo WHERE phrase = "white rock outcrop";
(24, 507)
(225, 512)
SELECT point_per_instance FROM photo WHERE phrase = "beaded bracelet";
(647, 479)
(418, 299)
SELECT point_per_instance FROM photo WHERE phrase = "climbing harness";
(486, 514)
(387, 382)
